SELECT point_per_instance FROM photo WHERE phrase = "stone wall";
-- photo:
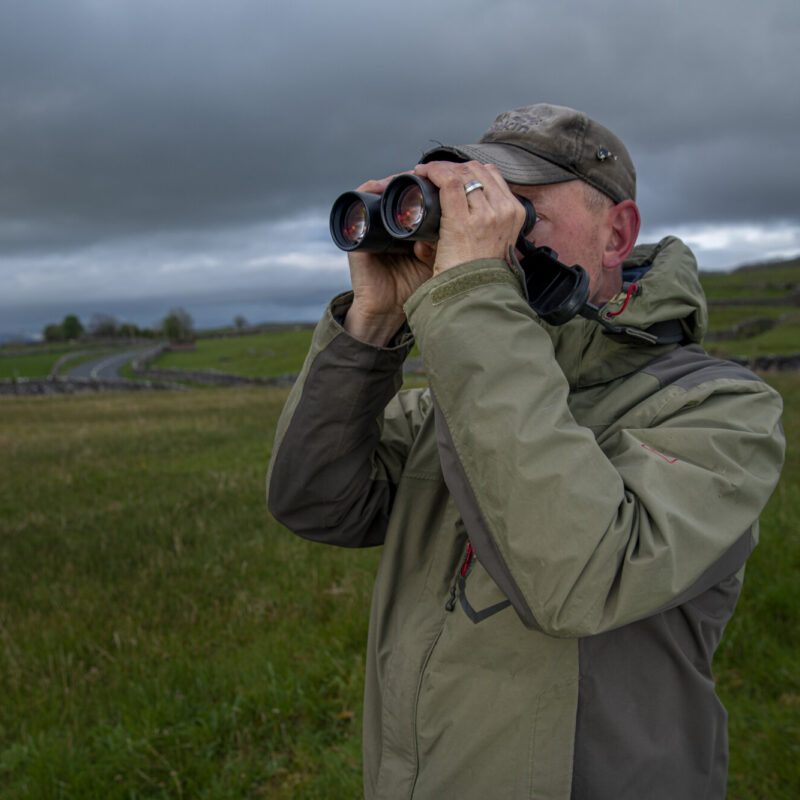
(55, 385)
(770, 363)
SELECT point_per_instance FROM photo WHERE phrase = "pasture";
(162, 637)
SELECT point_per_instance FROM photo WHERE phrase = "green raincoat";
(565, 517)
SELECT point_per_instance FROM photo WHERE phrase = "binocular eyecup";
(407, 211)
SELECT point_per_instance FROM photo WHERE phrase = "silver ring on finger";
(471, 186)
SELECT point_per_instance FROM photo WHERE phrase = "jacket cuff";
(464, 278)
(400, 344)
(454, 284)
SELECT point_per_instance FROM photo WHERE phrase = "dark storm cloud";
(122, 123)
(118, 117)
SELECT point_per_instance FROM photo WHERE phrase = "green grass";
(757, 665)
(37, 361)
(162, 637)
(721, 317)
(755, 284)
(263, 354)
(90, 355)
(783, 339)
(753, 293)
(259, 355)
(28, 365)
(771, 280)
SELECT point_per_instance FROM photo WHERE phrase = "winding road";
(105, 368)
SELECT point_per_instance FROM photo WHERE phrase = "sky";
(187, 153)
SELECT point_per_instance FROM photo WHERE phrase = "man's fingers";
(374, 186)
(500, 194)
(425, 252)
(449, 180)
(379, 186)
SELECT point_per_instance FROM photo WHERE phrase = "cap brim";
(515, 164)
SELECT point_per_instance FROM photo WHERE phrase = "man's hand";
(383, 283)
(481, 224)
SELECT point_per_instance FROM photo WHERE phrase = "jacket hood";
(667, 288)
(662, 284)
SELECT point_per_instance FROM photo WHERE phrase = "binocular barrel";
(408, 211)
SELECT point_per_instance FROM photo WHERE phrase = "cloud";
(273, 271)
(159, 134)
(713, 245)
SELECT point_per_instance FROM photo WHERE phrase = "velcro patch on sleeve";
(472, 280)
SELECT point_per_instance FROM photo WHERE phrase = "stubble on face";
(575, 224)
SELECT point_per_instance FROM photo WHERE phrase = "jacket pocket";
(485, 598)
(553, 742)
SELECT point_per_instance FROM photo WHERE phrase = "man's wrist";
(374, 329)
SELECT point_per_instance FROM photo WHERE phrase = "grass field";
(755, 284)
(784, 338)
(263, 354)
(163, 638)
(28, 365)
(37, 361)
(727, 316)
(768, 280)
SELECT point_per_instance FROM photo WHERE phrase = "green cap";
(543, 144)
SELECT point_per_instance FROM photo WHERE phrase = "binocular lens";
(406, 212)
(410, 209)
(354, 225)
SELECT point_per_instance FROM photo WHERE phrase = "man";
(565, 514)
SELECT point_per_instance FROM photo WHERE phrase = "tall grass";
(161, 637)
(758, 663)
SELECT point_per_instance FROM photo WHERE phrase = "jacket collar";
(668, 289)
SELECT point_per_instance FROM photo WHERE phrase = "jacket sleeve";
(583, 537)
(342, 438)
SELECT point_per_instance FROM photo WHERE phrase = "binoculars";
(408, 211)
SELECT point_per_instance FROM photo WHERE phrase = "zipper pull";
(467, 560)
(451, 601)
(463, 572)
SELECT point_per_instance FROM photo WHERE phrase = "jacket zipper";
(449, 606)
(463, 572)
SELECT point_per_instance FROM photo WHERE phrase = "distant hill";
(790, 263)
(775, 271)
(15, 338)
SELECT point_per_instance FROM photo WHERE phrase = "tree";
(129, 330)
(178, 326)
(72, 327)
(53, 333)
(240, 322)
(103, 326)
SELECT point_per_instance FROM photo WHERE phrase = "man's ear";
(624, 222)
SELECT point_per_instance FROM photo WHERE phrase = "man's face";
(577, 233)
